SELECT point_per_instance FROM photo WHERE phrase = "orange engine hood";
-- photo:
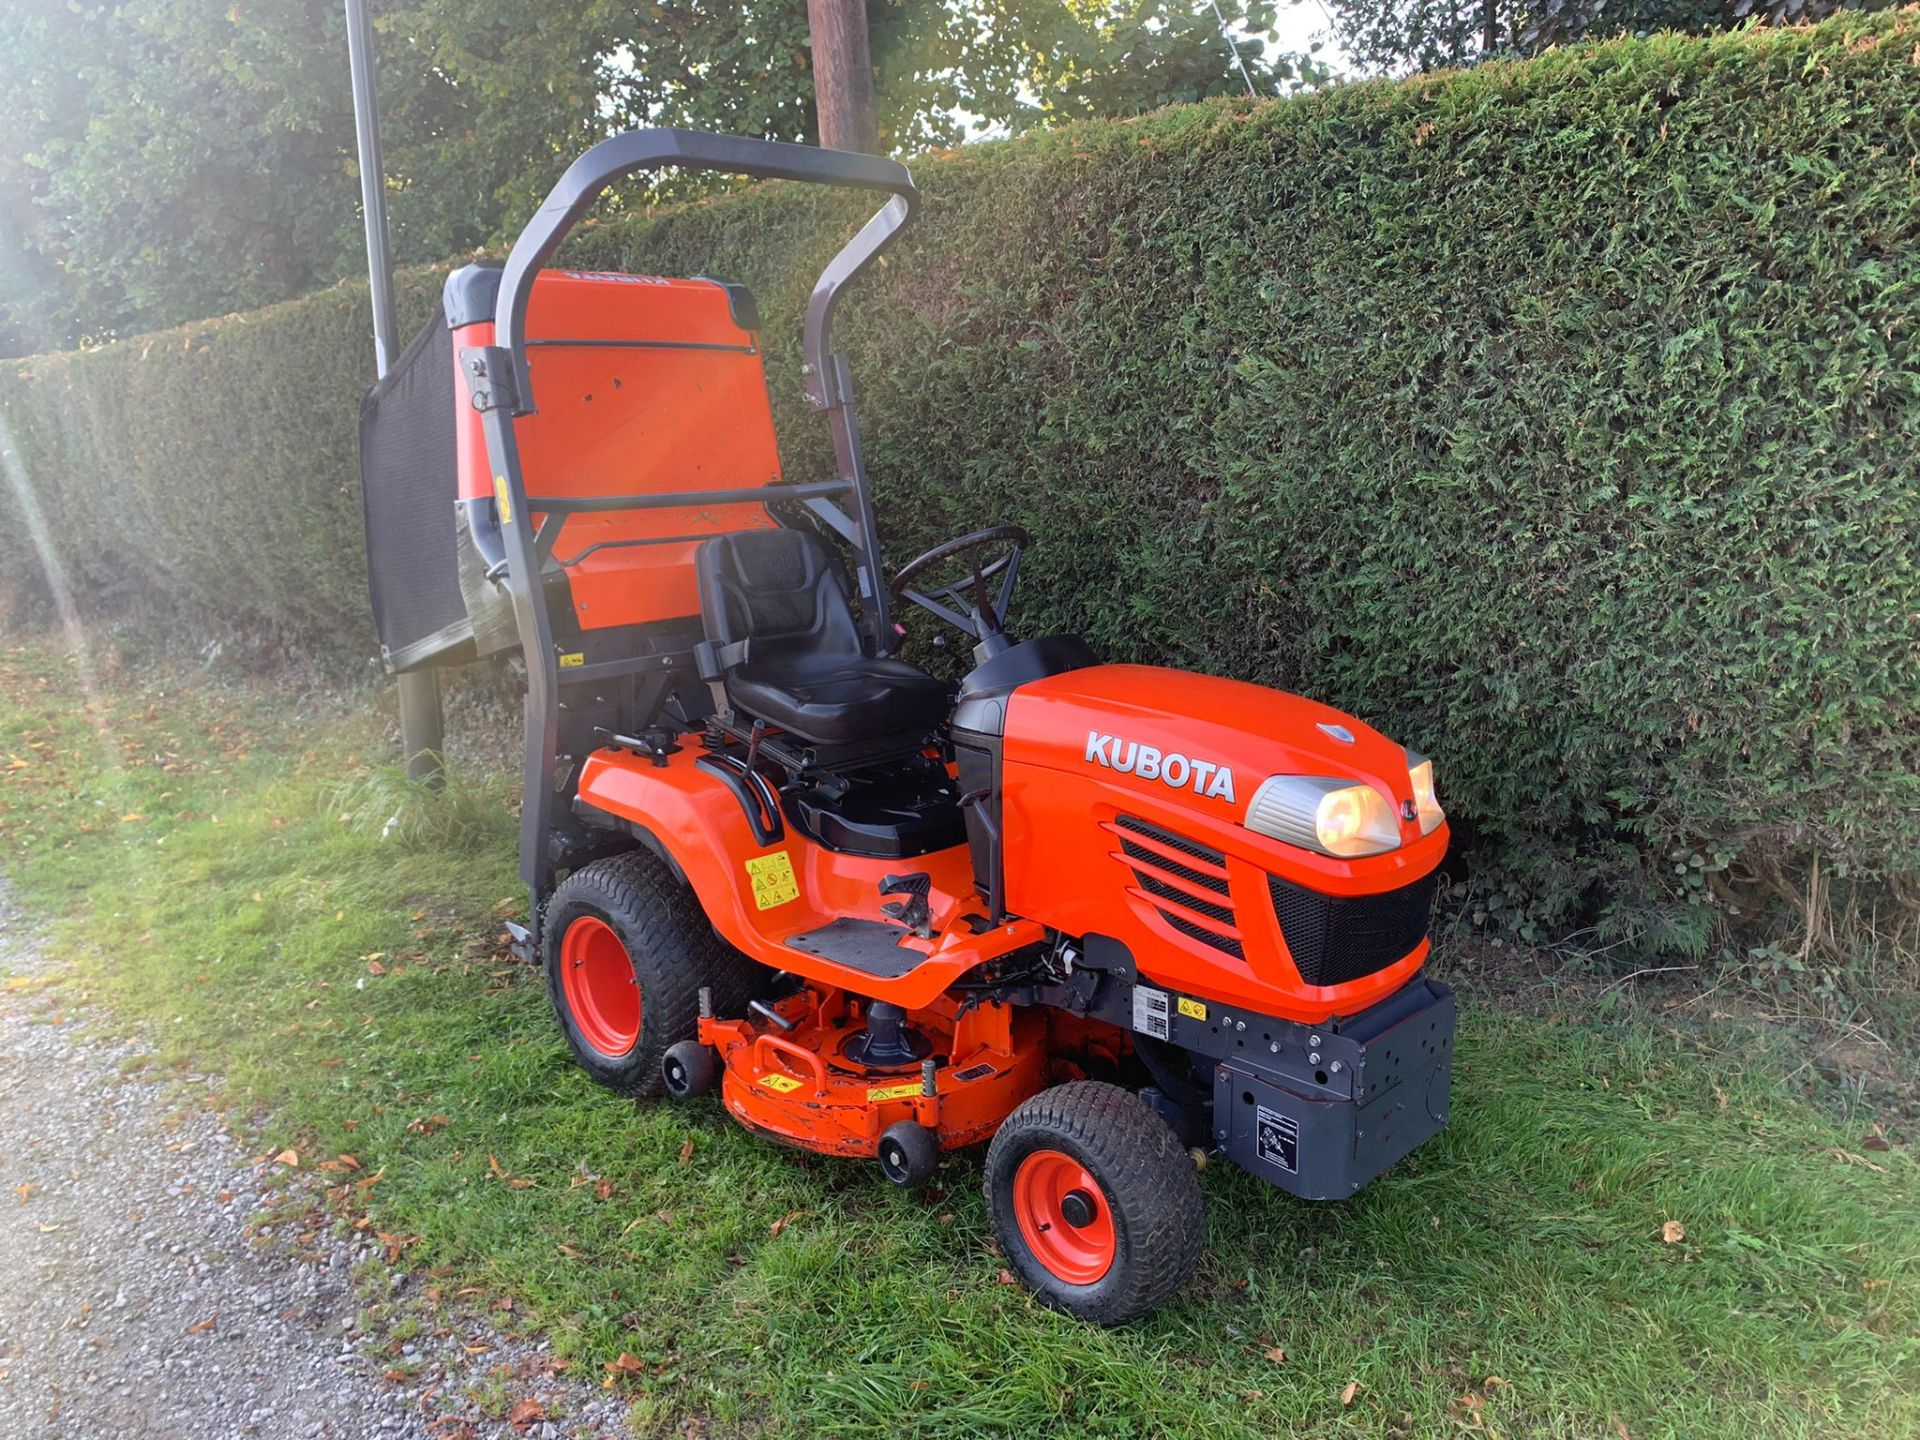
(1210, 741)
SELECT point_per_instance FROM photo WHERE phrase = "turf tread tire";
(1150, 1186)
(674, 949)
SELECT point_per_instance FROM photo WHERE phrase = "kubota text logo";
(1130, 757)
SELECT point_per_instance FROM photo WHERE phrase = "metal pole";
(422, 726)
(1234, 46)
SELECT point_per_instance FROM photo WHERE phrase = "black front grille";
(1334, 939)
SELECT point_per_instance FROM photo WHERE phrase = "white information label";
(1150, 1011)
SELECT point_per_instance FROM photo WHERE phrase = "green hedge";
(1557, 416)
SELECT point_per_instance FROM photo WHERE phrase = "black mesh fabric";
(1334, 939)
(408, 486)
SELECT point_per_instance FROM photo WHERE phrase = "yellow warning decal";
(573, 660)
(772, 880)
(1192, 1009)
(500, 500)
(785, 1084)
(893, 1092)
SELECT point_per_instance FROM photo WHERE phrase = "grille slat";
(1194, 848)
(1226, 944)
(1334, 939)
(1215, 883)
(1145, 861)
(1153, 885)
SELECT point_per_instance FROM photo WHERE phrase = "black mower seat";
(803, 670)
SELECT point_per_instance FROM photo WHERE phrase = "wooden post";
(843, 75)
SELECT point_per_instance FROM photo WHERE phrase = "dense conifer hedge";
(1559, 417)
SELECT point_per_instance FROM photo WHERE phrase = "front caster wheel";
(1095, 1202)
(909, 1154)
(689, 1069)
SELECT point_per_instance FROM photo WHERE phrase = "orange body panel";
(678, 403)
(697, 818)
(1064, 867)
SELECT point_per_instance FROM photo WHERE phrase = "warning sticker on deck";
(1278, 1142)
(772, 879)
(1192, 1009)
(784, 1084)
(893, 1092)
(1150, 1011)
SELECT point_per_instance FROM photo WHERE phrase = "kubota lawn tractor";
(1111, 918)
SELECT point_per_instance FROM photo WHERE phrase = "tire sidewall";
(1113, 1291)
(639, 1066)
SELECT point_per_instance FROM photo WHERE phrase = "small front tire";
(689, 1069)
(1095, 1202)
(909, 1153)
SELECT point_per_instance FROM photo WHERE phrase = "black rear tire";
(1143, 1215)
(673, 952)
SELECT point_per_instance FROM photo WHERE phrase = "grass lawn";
(212, 859)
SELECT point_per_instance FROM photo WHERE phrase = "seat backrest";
(775, 585)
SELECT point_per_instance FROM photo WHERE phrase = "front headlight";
(1426, 801)
(1335, 817)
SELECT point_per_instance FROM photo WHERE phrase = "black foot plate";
(864, 945)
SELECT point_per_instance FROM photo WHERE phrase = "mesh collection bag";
(408, 486)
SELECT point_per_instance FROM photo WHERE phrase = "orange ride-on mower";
(1110, 918)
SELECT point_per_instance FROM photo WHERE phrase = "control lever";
(913, 911)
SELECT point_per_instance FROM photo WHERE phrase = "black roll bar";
(499, 386)
(589, 176)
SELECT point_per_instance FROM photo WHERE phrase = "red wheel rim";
(1064, 1217)
(597, 978)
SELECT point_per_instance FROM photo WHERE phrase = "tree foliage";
(167, 159)
(1395, 36)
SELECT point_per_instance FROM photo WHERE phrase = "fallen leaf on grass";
(289, 1158)
(1494, 1382)
(686, 1152)
(525, 1413)
(626, 1364)
(205, 1325)
(394, 1377)
(23, 1191)
(1673, 1232)
(1006, 1278)
(1346, 1395)
(784, 1221)
(571, 1253)
(1275, 1354)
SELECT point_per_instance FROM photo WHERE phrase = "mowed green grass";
(211, 863)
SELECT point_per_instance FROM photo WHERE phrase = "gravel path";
(139, 1298)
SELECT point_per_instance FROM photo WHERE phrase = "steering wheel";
(964, 602)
